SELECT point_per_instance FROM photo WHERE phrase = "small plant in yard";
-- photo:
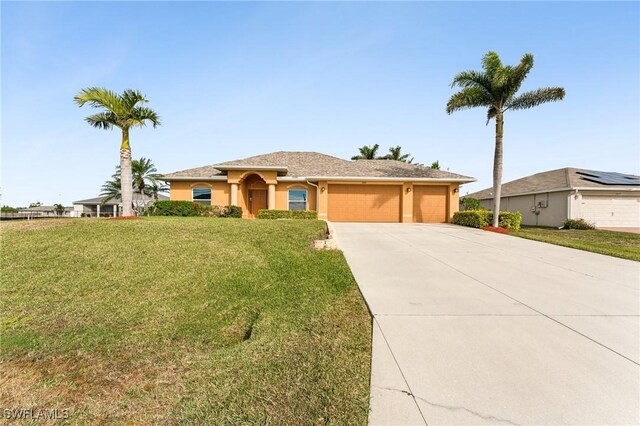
(578, 224)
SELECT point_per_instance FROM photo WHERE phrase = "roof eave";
(378, 179)
(569, 188)
(198, 178)
(223, 168)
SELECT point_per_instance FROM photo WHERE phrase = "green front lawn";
(619, 244)
(181, 321)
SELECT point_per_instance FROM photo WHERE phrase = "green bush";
(287, 214)
(233, 211)
(472, 218)
(470, 203)
(482, 218)
(189, 208)
(578, 224)
(509, 220)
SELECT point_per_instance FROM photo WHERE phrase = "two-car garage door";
(364, 203)
(382, 203)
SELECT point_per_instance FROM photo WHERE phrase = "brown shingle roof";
(314, 164)
(552, 180)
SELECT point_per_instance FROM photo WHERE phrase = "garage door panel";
(364, 203)
(430, 204)
(611, 211)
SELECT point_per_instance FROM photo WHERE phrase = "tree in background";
(367, 153)
(495, 88)
(435, 165)
(123, 111)
(395, 153)
(59, 208)
(36, 204)
(145, 182)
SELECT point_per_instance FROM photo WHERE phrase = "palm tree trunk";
(497, 169)
(126, 184)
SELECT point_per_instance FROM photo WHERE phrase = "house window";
(297, 199)
(202, 196)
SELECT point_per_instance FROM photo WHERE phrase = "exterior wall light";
(456, 190)
(409, 189)
(323, 189)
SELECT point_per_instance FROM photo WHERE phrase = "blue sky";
(232, 80)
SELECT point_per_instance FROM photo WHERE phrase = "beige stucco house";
(340, 190)
(608, 199)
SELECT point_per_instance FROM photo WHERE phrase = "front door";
(257, 201)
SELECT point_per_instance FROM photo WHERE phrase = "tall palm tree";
(495, 88)
(367, 153)
(123, 111)
(395, 153)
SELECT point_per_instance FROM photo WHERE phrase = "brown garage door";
(430, 204)
(364, 203)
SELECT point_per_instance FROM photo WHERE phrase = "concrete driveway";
(473, 327)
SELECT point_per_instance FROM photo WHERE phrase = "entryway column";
(98, 209)
(234, 194)
(115, 210)
(271, 197)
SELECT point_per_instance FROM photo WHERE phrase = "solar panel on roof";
(610, 178)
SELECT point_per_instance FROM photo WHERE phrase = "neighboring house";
(39, 211)
(94, 207)
(549, 198)
(340, 190)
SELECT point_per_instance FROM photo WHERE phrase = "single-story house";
(339, 190)
(94, 207)
(608, 199)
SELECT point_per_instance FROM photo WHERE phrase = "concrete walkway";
(473, 327)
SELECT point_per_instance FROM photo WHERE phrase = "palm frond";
(102, 120)
(518, 74)
(469, 97)
(491, 113)
(99, 97)
(491, 63)
(130, 98)
(536, 97)
(140, 115)
(472, 79)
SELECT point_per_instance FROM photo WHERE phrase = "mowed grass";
(181, 321)
(619, 244)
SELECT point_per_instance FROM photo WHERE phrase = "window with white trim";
(202, 196)
(297, 199)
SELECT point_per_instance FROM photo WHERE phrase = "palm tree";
(495, 88)
(435, 165)
(123, 111)
(395, 153)
(145, 180)
(367, 153)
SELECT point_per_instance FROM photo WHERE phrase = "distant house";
(94, 207)
(339, 190)
(39, 211)
(608, 199)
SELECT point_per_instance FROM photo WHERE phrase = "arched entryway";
(255, 194)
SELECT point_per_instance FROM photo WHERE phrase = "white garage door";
(610, 211)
